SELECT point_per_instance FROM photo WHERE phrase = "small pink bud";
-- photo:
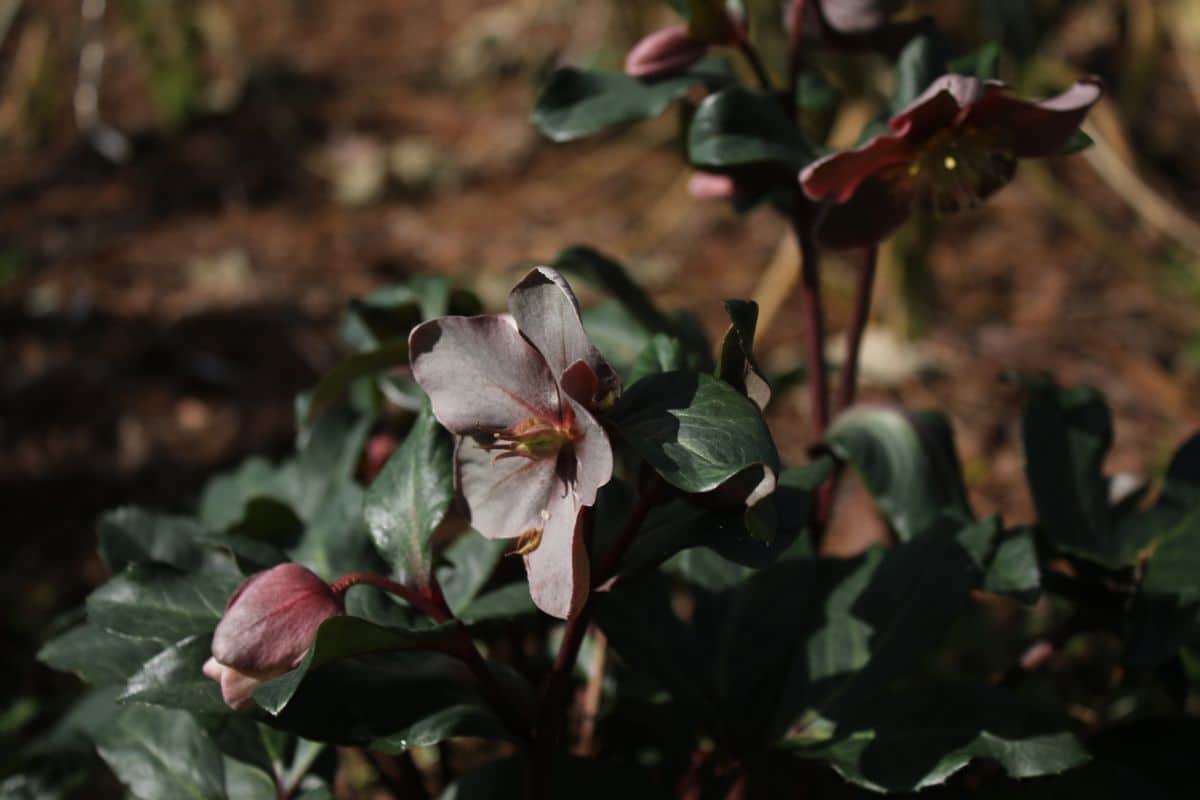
(269, 624)
(709, 186)
(663, 52)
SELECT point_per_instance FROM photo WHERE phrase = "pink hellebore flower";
(268, 626)
(948, 150)
(664, 52)
(858, 16)
(520, 392)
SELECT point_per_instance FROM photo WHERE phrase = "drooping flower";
(947, 151)
(520, 392)
(664, 52)
(858, 16)
(268, 626)
(850, 24)
(711, 186)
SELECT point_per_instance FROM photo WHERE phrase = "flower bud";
(268, 626)
(710, 186)
(663, 52)
(859, 16)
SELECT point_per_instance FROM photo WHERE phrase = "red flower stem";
(432, 603)
(424, 602)
(795, 56)
(858, 324)
(848, 382)
(551, 719)
(755, 61)
(814, 324)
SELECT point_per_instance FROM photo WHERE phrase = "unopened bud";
(663, 52)
(710, 186)
(268, 626)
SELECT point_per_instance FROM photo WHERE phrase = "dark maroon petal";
(272, 620)
(505, 497)
(937, 107)
(580, 382)
(558, 567)
(663, 52)
(547, 314)
(1032, 130)
(837, 176)
(877, 208)
(481, 374)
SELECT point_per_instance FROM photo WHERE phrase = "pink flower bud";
(269, 624)
(663, 52)
(709, 186)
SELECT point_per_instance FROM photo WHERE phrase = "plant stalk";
(863, 290)
(814, 323)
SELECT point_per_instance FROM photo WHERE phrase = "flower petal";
(237, 689)
(481, 374)
(663, 52)
(593, 455)
(858, 16)
(837, 176)
(937, 106)
(547, 313)
(877, 208)
(505, 497)
(1034, 130)
(558, 568)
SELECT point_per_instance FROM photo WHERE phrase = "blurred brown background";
(159, 311)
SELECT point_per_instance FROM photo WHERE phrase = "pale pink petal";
(505, 497)
(593, 456)
(547, 313)
(481, 374)
(237, 689)
(558, 568)
(858, 16)
(272, 618)
(837, 176)
(663, 52)
(1033, 130)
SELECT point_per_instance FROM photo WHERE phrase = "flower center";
(531, 438)
(958, 169)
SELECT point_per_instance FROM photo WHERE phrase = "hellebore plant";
(680, 629)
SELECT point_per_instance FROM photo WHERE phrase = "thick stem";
(814, 324)
(795, 53)
(858, 324)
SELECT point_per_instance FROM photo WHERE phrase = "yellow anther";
(528, 541)
(951, 163)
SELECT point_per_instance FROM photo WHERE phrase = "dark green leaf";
(576, 778)
(100, 657)
(604, 273)
(983, 63)
(161, 753)
(736, 364)
(578, 103)
(409, 498)
(1013, 568)
(907, 461)
(662, 354)
(346, 637)
(696, 431)
(470, 562)
(137, 535)
(507, 602)
(360, 365)
(1067, 434)
(739, 127)
(159, 603)
(906, 741)
(173, 679)
(921, 62)
(267, 519)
